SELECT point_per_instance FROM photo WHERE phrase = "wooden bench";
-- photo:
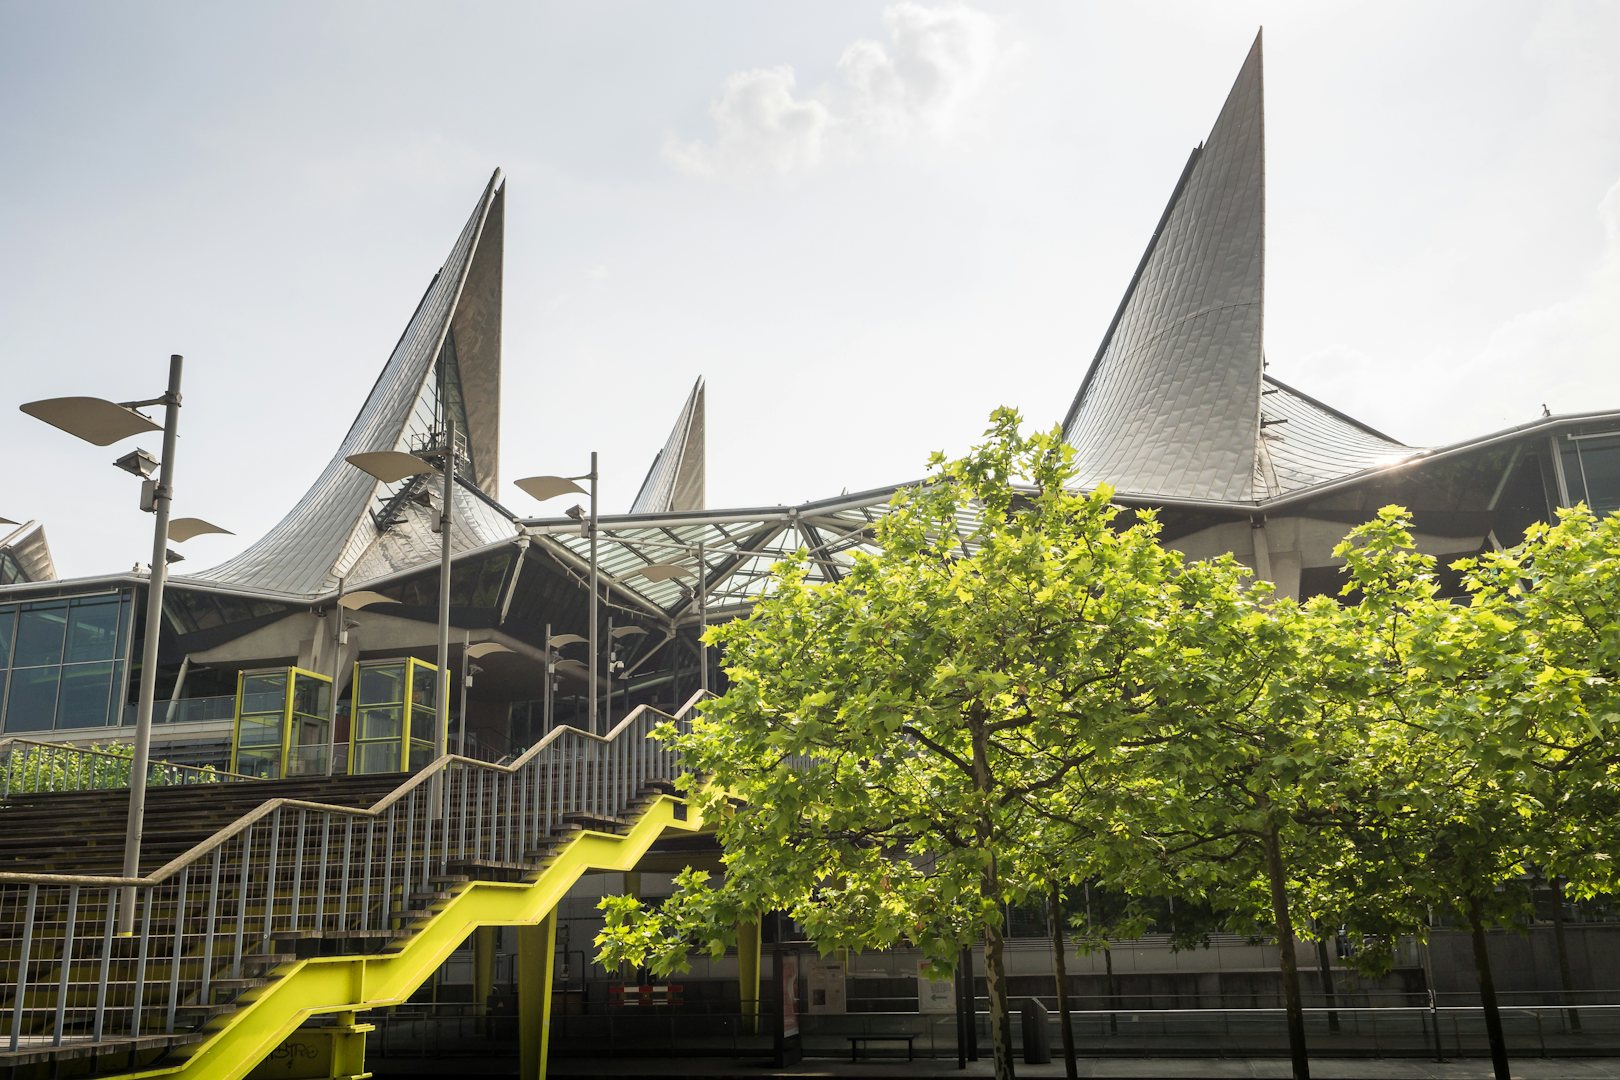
(858, 1041)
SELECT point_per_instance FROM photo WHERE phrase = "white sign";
(934, 995)
(827, 993)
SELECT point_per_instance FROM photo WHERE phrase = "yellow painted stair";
(189, 965)
(344, 984)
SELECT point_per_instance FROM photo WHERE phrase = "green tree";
(1500, 759)
(889, 745)
(1232, 795)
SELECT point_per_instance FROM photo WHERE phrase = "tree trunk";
(1113, 994)
(995, 968)
(1297, 1053)
(995, 987)
(1060, 962)
(1487, 992)
(1324, 968)
(1562, 950)
(970, 995)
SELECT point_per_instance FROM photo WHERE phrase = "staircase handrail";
(168, 770)
(416, 780)
(295, 867)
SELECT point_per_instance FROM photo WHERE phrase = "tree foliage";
(892, 748)
(1021, 689)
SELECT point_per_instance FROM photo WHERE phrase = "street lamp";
(102, 423)
(553, 643)
(390, 467)
(346, 601)
(469, 653)
(541, 488)
(663, 571)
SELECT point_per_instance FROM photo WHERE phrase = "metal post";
(447, 517)
(340, 641)
(551, 669)
(162, 496)
(596, 659)
(1559, 478)
(466, 680)
(703, 619)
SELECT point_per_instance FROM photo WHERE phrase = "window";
(1592, 471)
(62, 662)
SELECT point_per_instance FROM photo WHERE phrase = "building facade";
(312, 652)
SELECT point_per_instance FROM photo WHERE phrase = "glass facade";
(1592, 471)
(395, 725)
(62, 662)
(282, 723)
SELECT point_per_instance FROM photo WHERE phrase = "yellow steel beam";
(264, 1018)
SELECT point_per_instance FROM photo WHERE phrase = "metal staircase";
(282, 901)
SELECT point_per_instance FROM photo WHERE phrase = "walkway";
(1098, 1069)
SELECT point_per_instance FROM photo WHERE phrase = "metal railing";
(29, 767)
(459, 1030)
(210, 922)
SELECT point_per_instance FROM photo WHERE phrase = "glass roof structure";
(726, 555)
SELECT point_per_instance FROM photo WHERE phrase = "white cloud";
(923, 83)
(759, 127)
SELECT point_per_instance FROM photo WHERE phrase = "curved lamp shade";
(363, 598)
(95, 420)
(625, 631)
(559, 640)
(183, 529)
(484, 648)
(389, 466)
(573, 667)
(541, 488)
(663, 571)
(6, 521)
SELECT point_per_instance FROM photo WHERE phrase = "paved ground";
(1099, 1068)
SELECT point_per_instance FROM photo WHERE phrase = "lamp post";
(346, 602)
(469, 653)
(390, 467)
(553, 643)
(541, 488)
(664, 571)
(103, 423)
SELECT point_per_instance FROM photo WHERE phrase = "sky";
(865, 224)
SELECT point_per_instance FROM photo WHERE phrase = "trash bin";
(1037, 1033)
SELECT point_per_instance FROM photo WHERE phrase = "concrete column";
(537, 949)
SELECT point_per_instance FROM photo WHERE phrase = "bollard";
(1037, 1033)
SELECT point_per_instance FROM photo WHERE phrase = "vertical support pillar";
(537, 948)
(1560, 480)
(349, 1046)
(748, 948)
(483, 969)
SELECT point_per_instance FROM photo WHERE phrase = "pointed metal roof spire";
(675, 481)
(28, 553)
(1171, 403)
(449, 357)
